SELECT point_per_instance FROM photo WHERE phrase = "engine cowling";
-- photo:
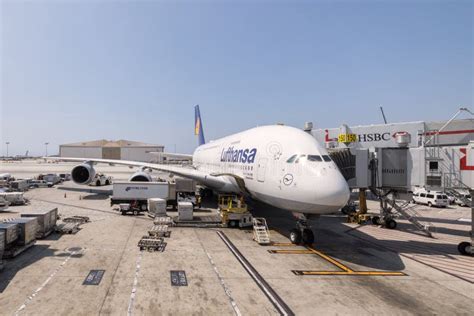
(141, 176)
(83, 173)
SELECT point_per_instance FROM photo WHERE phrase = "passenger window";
(291, 159)
(430, 196)
(326, 158)
(314, 158)
(439, 197)
(422, 195)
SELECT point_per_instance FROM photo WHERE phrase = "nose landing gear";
(302, 233)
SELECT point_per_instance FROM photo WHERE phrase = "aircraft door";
(261, 169)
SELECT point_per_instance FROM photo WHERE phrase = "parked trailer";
(46, 221)
(15, 198)
(138, 193)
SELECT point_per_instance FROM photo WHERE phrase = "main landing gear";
(302, 233)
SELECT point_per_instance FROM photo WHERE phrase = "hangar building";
(106, 149)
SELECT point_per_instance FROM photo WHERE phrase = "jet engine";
(141, 176)
(83, 173)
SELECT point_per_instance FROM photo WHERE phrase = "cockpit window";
(292, 158)
(314, 158)
(326, 158)
(300, 157)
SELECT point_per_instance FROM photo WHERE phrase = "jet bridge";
(393, 173)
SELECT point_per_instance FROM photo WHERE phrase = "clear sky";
(85, 70)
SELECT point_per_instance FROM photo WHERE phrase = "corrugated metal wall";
(111, 153)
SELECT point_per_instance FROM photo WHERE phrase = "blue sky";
(84, 70)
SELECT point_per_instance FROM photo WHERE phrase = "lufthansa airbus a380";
(280, 165)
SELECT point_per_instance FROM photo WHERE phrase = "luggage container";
(46, 221)
(185, 211)
(10, 234)
(157, 207)
(27, 229)
(185, 185)
(2, 247)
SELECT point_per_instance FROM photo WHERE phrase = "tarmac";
(350, 270)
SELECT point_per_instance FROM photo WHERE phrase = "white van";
(430, 198)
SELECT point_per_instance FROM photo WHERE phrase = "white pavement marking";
(32, 296)
(221, 280)
(135, 283)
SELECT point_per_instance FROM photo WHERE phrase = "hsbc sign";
(371, 135)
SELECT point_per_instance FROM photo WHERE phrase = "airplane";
(280, 165)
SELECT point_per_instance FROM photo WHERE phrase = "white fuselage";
(256, 162)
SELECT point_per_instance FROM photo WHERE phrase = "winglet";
(198, 125)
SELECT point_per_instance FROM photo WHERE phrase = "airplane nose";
(336, 192)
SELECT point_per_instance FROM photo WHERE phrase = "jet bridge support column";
(467, 248)
(362, 201)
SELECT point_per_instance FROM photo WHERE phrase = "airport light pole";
(46, 149)
(7, 143)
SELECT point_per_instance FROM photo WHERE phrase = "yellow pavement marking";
(331, 260)
(292, 251)
(283, 244)
(345, 270)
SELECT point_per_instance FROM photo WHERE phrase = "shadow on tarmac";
(29, 257)
(357, 248)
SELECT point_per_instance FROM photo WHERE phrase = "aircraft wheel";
(463, 248)
(295, 236)
(308, 236)
(376, 220)
(390, 224)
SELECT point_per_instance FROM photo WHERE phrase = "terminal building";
(106, 149)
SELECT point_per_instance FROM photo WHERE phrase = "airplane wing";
(186, 172)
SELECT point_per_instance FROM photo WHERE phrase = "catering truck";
(137, 193)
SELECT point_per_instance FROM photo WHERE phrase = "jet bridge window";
(291, 159)
(326, 158)
(314, 158)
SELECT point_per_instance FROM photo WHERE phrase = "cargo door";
(261, 169)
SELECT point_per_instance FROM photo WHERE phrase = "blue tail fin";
(198, 125)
